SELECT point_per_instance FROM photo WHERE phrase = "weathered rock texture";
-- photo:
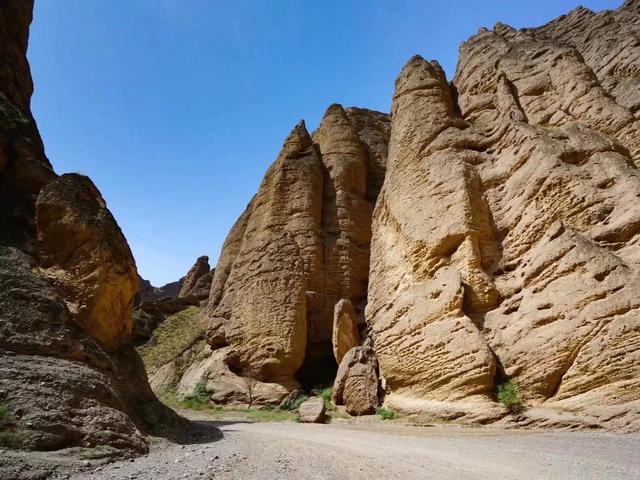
(357, 386)
(68, 373)
(197, 282)
(505, 240)
(300, 247)
(345, 329)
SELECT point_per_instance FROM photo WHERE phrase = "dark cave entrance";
(319, 368)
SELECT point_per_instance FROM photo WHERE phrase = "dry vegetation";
(177, 333)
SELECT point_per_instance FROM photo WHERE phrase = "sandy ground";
(379, 450)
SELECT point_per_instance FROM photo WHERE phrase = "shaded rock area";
(197, 282)
(69, 376)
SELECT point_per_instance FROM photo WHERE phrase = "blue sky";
(176, 108)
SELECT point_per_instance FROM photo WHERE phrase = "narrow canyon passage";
(283, 451)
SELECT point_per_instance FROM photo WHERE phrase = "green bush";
(325, 394)
(294, 404)
(5, 416)
(199, 396)
(385, 413)
(509, 395)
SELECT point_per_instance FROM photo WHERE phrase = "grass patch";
(292, 405)
(172, 337)
(385, 413)
(275, 415)
(269, 413)
(5, 417)
(325, 394)
(199, 396)
(508, 394)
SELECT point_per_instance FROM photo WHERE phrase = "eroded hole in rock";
(319, 367)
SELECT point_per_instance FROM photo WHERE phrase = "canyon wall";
(503, 244)
(69, 375)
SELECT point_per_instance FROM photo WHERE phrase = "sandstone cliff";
(68, 373)
(503, 244)
(510, 198)
(301, 246)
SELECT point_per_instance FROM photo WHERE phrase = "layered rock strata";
(300, 247)
(503, 244)
(528, 166)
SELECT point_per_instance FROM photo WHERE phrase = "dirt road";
(384, 451)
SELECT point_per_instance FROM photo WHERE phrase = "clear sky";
(175, 108)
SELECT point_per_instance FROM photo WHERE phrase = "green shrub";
(325, 394)
(294, 404)
(5, 416)
(199, 396)
(509, 395)
(385, 413)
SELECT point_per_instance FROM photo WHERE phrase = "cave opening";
(319, 367)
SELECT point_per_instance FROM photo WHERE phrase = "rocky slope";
(69, 375)
(154, 304)
(503, 243)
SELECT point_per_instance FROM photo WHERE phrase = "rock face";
(68, 373)
(505, 237)
(357, 386)
(345, 329)
(300, 247)
(85, 253)
(503, 244)
(197, 282)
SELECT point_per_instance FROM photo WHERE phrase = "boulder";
(84, 251)
(357, 386)
(312, 410)
(225, 387)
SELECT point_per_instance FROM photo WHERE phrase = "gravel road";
(377, 450)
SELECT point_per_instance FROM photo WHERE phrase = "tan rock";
(312, 410)
(311, 220)
(345, 329)
(163, 380)
(432, 236)
(357, 386)
(225, 387)
(197, 282)
(84, 251)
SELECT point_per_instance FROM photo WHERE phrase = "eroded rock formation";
(68, 373)
(300, 247)
(197, 282)
(154, 304)
(503, 243)
(528, 166)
